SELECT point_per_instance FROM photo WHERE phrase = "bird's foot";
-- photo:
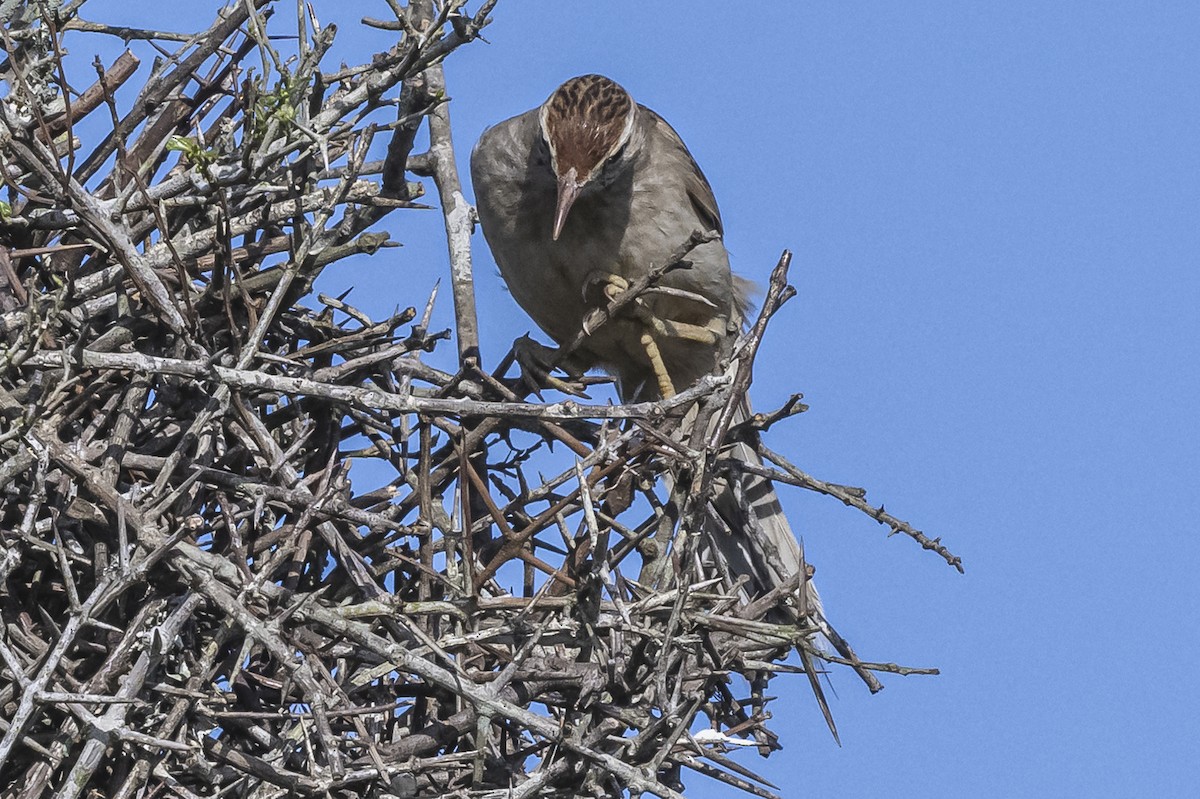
(657, 328)
(601, 288)
(710, 333)
(536, 362)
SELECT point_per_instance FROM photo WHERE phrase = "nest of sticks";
(198, 596)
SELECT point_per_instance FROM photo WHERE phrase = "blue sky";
(993, 208)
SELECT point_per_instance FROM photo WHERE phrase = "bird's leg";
(658, 328)
(654, 327)
(710, 333)
(666, 388)
(610, 287)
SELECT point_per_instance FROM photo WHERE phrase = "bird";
(578, 198)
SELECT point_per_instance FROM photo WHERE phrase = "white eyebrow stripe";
(627, 129)
(543, 114)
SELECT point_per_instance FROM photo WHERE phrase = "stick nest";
(200, 596)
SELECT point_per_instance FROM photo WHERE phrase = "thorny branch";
(251, 542)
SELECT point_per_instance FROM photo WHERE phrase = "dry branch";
(251, 542)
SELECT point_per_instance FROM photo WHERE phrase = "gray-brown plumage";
(591, 188)
(578, 198)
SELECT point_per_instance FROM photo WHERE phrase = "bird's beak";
(568, 192)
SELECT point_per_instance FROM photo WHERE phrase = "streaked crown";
(585, 122)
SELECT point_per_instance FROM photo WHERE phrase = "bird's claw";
(601, 288)
(536, 362)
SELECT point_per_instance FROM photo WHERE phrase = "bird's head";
(586, 123)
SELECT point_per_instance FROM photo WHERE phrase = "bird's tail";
(751, 541)
(750, 536)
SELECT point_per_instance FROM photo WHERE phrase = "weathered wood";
(252, 542)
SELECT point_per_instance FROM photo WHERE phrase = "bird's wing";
(698, 190)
